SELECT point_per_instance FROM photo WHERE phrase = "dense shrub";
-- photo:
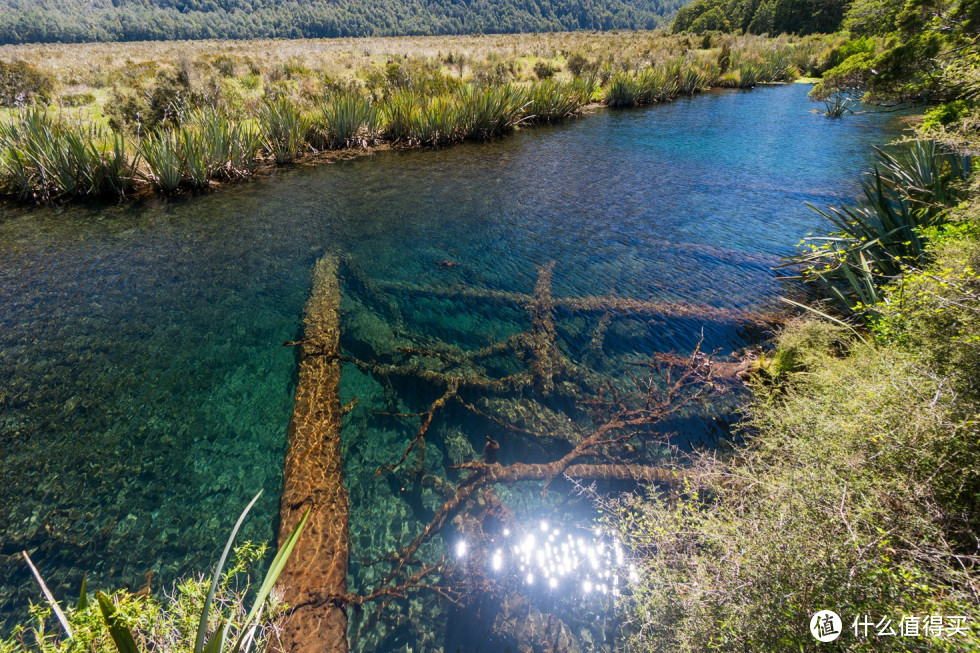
(856, 489)
(75, 99)
(22, 83)
(544, 70)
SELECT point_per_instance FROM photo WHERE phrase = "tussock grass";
(343, 120)
(551, 100)
(235, 104)
(163, 151)
(42, 157)
(283, 130)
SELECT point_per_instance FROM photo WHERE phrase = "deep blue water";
(144, 394)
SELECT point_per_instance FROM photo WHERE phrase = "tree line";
(73, 21)
(761, 16)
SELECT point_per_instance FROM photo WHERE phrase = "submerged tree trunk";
(313, 476)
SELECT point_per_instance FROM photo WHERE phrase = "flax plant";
(343, 120)
(164, 155)
(283, 130)
(871, 243)
(551, 100)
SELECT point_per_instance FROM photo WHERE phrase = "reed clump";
(43, 157)
(551, 100)
(343, 120)
(283, 130)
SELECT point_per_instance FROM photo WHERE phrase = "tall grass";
(217, 148)
(163, 152)
(440, 122)
(490, 111)
(43, 157)
(473, 112)
(342, 120)
(751, 73)
(655, 84)
(283, 130)
(400, 115)
(623, 91)
(551, 100)
(691, 76)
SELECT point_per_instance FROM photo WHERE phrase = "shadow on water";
(144, 394)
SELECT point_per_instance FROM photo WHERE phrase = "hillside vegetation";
(761, 16)
(854, 485)
(74, 21)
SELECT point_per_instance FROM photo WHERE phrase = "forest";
(76, 21)
(761, 16)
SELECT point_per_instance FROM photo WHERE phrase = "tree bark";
(313, 476)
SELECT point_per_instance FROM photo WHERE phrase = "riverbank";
(853, 486)
(124, 118)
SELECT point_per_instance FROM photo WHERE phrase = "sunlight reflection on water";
(540, 555)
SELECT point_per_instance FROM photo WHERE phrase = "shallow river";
(145, 394)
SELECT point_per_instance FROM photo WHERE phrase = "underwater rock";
(532, 629)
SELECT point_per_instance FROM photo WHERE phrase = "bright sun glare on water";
(543, 555)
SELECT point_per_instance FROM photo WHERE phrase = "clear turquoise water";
(144, 394)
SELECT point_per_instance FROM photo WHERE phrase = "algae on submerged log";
(313, 476)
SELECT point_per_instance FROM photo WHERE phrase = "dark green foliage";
(544, 70)
(68, 21)
(761, 17)
(21, 83)
(914, 62)
(710, 21)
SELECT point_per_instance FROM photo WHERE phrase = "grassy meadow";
(106, 120)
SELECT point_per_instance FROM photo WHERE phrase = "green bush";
(76, 99)
(855, 489)
(946, 114)
(23, 83)
(149, 104)
(544, 70)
